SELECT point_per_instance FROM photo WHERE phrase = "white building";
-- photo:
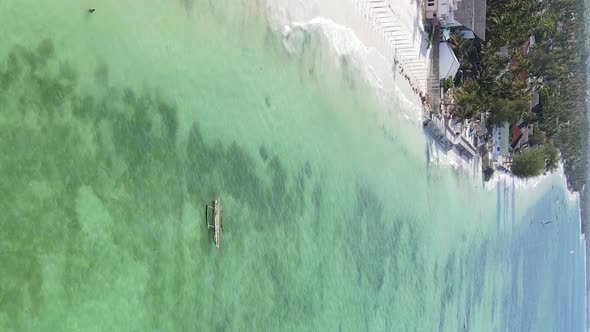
(448, 64)
(443, 11)
(500, 137)
(452, 13)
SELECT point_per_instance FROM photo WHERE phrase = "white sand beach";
(408, 44)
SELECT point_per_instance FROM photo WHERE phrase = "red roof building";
(516, 136)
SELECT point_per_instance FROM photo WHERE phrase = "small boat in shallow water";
(217, 220)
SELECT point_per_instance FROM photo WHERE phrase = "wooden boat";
(217, 220)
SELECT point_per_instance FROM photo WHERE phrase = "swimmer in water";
(91, 10)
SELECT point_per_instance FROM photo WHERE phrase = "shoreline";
(394, 75)
(348, 16)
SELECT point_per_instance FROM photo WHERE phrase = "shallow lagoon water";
(118, 127)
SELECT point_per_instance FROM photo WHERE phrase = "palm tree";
(458, 44)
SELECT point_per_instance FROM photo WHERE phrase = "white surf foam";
(349, 15)
(374, 68)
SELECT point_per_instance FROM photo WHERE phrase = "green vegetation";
(551, 157)
(529, 163)
(537, 137)
(532, 162)
(533, 46)
(448, 83)
(510, 110)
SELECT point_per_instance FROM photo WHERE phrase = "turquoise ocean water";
(117, 128)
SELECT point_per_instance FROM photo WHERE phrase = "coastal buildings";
(451, 136)
(442, 12)
(507, 139)
(461, 26)
(479, 134)
(453, 13)
(458, 27)
(500, 136)
(472, 14)
(448, 63)
(520, 135)
(439, 137)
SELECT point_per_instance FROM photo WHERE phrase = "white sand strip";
(392, 27)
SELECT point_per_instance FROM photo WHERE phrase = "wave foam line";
(403, 41)
(374, 66)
